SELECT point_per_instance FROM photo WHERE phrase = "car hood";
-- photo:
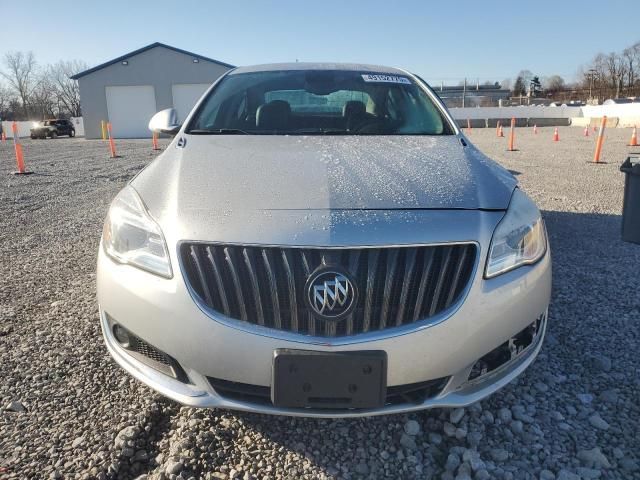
(244, 173)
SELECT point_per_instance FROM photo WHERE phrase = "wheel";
(33, 137)
(54, 134)
(72, 133)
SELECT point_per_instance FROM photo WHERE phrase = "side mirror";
(165, 121)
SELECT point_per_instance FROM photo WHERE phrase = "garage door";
(130, 109)
(185, 96)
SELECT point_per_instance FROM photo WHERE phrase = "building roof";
(144, 49)
(319, 66)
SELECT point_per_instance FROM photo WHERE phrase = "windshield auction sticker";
(374, 77)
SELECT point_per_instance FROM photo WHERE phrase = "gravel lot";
(67, 411)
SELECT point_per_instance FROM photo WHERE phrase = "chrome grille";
(264, 285)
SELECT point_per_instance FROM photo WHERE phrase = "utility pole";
(591, 74)
(464, 91)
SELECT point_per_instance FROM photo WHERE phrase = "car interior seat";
(354, 112)
(273, 115)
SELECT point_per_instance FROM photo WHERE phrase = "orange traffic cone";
(3, 138)
(535, 129)
(556, 135)
(634, 138)
(500, 132)
(498, 129)
(112, 144)
(586, 131)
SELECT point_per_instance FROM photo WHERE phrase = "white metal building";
(128, 90)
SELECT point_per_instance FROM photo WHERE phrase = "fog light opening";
(507, 351)
(146, 353)
(122, 336)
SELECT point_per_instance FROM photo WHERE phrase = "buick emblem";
(331, 294)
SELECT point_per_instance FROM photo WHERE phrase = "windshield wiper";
(218, 131)
(324, 131)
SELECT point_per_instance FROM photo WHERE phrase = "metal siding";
(185, 96)
(159, 67)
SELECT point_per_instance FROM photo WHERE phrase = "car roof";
(352, 67)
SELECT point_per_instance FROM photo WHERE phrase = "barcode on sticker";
(371, 77)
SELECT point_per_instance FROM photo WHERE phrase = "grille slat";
(219, 283)
(201, 275)
(435, 299)
(255, 288)
(291, 283)
(273, 287)
(265, 285)
(371, 276)
(392, 265)
(311, 320)
(237, 287)
(410, 263)
(354, 257)
(422, 289)
(460, 265)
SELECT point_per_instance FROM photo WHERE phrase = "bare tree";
(44, 99)
(519, 86)
(20, 75)
(598, 73)
(631, 56)
(553, 84)
(6, 97)
(617, 70)
(67, 89)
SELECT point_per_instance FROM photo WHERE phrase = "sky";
(441, 41)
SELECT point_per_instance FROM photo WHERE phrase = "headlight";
(131, 236)
(519, 239)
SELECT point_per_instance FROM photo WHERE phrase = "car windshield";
(318, 102)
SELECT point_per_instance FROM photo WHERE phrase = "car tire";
(33, 137)
(72, 133)
(54, 134)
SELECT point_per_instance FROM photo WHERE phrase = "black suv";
(53, 128)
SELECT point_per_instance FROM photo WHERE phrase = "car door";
(63, 127)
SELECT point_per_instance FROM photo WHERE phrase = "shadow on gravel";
(153, 425)
(362, 446)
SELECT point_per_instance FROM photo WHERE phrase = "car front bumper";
(163, 313)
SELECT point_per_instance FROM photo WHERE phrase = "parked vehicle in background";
(52, 129)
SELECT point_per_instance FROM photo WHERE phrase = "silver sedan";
(322, 240)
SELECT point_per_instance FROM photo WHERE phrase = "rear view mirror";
(165, 121)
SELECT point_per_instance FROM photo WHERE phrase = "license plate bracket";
(329, 380)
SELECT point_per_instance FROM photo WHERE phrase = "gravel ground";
(67, 411)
